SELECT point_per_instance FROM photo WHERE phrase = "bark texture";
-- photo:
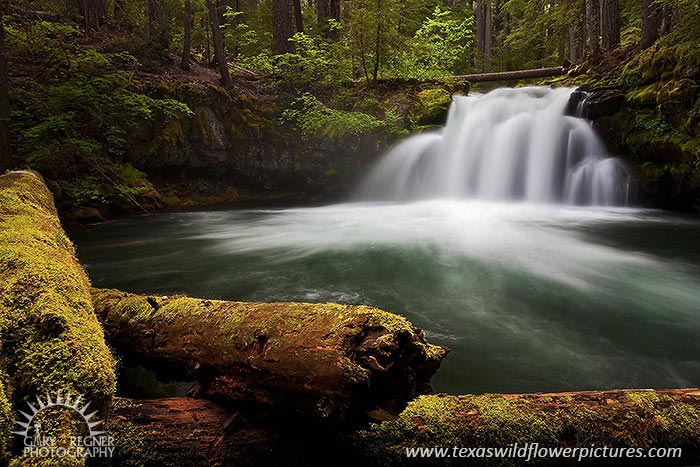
(283, 27)
(651, 22)
(337, 363)
(94, 12)
(593, 27)
(611, 23)
(187, 40)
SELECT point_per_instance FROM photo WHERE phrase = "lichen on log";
(335, 362)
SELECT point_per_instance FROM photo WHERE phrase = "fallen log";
(513, 75)
(337, 363)
(195, 432)
(50, 339)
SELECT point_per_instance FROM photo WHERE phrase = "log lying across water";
(513, 75)
(197, 432)
(338, 363)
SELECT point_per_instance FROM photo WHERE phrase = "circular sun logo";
(68, 402)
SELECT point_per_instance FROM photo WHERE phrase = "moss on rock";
(433, 106)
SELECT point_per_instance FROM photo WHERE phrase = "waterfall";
(507, 145)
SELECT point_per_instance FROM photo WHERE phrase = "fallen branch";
(513, 75)
(335, 362)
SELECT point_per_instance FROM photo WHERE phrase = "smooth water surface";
(529, 297)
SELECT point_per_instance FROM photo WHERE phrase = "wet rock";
(603, 103)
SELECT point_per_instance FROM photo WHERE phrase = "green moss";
(433, 105)
(630, 419)
(643, 97)
(48, 327)
(6, 418)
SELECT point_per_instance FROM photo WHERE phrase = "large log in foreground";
(50, 340)
(513, 75)
(337, 363)
(196, 432)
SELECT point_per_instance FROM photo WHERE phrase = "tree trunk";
(572, 43)
(327, 9)
(94, 12)
(157, 28)
(593, 27)
(334, 363)
(218, 40)
(283, 27)
(298, 17)
(669, 18)
(187, 41)
(611, 23)
(622, 419)
(488, 32)
(480, 17)
(651, 22)
(5, 148)
(378, 41)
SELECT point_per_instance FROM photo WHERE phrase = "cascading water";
(509, 144)
(530, 297)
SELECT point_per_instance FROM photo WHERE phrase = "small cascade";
(508, 145)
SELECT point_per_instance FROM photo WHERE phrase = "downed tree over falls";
(339, 363)
(513, 75)
(617, 419)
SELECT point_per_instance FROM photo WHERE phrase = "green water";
(529, 298)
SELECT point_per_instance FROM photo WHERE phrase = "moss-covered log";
(6, 416)
(147, 432)
(623, 419)
(334, 362)
(51, 339)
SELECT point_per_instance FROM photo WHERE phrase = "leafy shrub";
(314, 119)
(71, 120)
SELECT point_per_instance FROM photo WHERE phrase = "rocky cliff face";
(235, 146)
(648, 111)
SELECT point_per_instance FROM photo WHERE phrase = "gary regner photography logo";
(87, 440)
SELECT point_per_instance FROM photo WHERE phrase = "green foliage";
(443, 42)
(655, 123)
(315, 62)
(78, 111)
(314, 119)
